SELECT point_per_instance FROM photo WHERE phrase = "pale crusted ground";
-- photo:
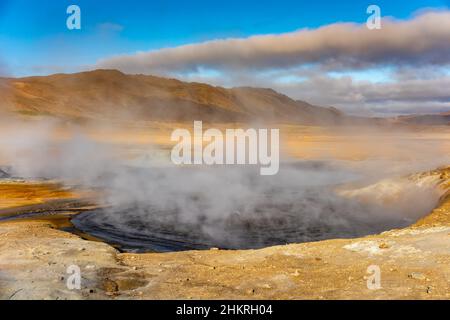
(414, 264)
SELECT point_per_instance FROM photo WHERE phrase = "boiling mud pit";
(174, 209)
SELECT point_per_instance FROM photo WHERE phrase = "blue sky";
(178, 39)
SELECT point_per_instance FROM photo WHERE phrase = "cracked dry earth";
(35, 254)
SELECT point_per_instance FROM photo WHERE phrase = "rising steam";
(155, 205)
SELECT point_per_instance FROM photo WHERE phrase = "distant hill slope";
(110, 94)
(426, 119)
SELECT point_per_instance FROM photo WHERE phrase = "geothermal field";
(211, 151)
(108, 198)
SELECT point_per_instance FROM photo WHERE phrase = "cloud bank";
(424, 39)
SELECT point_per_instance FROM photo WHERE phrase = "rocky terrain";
(35, 253)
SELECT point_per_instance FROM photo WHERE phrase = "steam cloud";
(224, 206)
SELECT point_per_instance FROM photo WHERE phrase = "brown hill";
(426, 119)
(110, 94)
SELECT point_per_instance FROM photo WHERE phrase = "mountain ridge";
(111, 94)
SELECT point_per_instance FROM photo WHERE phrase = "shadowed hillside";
(110, 94)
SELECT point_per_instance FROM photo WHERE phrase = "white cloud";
(424, 39)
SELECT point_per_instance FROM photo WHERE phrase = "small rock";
(110, 286)
(429, 289)
(417, 276)
(384, 245)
